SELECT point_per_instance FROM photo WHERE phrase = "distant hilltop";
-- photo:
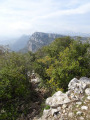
(39, 39)
(35, 41)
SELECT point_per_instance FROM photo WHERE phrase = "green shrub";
(47, 107)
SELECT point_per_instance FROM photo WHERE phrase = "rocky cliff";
(72, 105)
(39, 39)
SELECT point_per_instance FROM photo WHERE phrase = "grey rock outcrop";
(87, 91)
(74, 104)
(57, 99)
(39, 39)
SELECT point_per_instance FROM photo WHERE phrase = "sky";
(19, 17)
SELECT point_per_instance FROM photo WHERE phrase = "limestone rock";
(76, 86)
(53, 111)
(88, 97)
(57, 94)
(79, 113)
(57, 99)
(72, 83)
(81, 118)
(85, 80)
(87, 91)
(70, 115)
(39, 39)
(84, 108)
(68, 105)
(64, 106)
(78, 103)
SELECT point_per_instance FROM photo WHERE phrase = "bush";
(15, 88)
(47, 107)
(64, 60)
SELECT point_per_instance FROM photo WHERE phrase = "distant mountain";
(71, 33)
(39, 39)
(24, 50)
(32, 43)
(15, 44)
(20, 43)
(81, 34)
(4, 48)
(7, 40)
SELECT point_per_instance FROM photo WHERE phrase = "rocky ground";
(72, 105)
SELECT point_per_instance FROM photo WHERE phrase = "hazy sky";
(27, 16)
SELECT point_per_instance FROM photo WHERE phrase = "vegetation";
(47, 107)
(15, 88)
(62, 60)
(56, 64)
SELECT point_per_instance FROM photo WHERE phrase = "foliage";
(14, 83)
(56, 64)
(65, 59)
(47, 107)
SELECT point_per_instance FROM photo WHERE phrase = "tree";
(14, 84)
(64, 60)
(72, 62)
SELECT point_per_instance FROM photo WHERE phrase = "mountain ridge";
(35, 41)
(39, 39)
(20, 43)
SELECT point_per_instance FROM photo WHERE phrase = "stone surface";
(68, 106)
(64, 106)
(35, 80)
(53, 111)
(79, 113)
(70, 115)
(85, 80)
(46, 111)
(57, 98)
(78, 103)
(81, 118)
(59, 108)
(84, 108)
(87, 91)
(39, 39)
(88, 97)
(57, 94)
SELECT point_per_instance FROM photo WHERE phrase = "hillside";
(39, 39)
(55, 65)
(20, 43)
